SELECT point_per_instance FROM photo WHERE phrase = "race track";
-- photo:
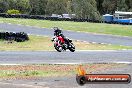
(53, 57)
(89, 37)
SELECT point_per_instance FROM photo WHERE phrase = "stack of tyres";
(11, 36)
(21, 37)
(2, 35)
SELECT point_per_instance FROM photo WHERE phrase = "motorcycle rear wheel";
(72, 48)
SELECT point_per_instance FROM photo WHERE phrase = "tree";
(86, 9)
(38, 7)
(121, 5)
(23, 6)
(109, 6)
(3, 6)
(129, 4)
(34, 7)
(42, 6)
(69, 6)
(56, 7)
(99, 6)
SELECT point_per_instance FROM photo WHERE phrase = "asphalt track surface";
(53, 57)
(89, 37)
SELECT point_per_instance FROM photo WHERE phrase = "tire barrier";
(40, 17)
(11, 36)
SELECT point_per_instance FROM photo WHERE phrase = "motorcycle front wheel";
(58, 48)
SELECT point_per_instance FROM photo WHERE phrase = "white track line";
(123, 62)
(97, 50)
(76, 63)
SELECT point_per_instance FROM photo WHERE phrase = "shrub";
(13, 11)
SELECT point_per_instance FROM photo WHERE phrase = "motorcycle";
(61, 45)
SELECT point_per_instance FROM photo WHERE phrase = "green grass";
(114, 29)
(43, 70)
(38, 73)
(35, 43)
(90, 46)
(40, 43)
(50, 70)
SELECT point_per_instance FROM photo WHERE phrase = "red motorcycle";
(61, 45)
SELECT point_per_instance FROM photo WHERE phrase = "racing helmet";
(57, 31)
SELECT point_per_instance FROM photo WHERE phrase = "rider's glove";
(52, 39)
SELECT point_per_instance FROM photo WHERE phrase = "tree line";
(91, 9)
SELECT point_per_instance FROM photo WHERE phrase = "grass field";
(35, 43)
(114, 29)
(46, 70)
(40, 43)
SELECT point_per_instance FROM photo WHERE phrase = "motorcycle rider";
(58, 32)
